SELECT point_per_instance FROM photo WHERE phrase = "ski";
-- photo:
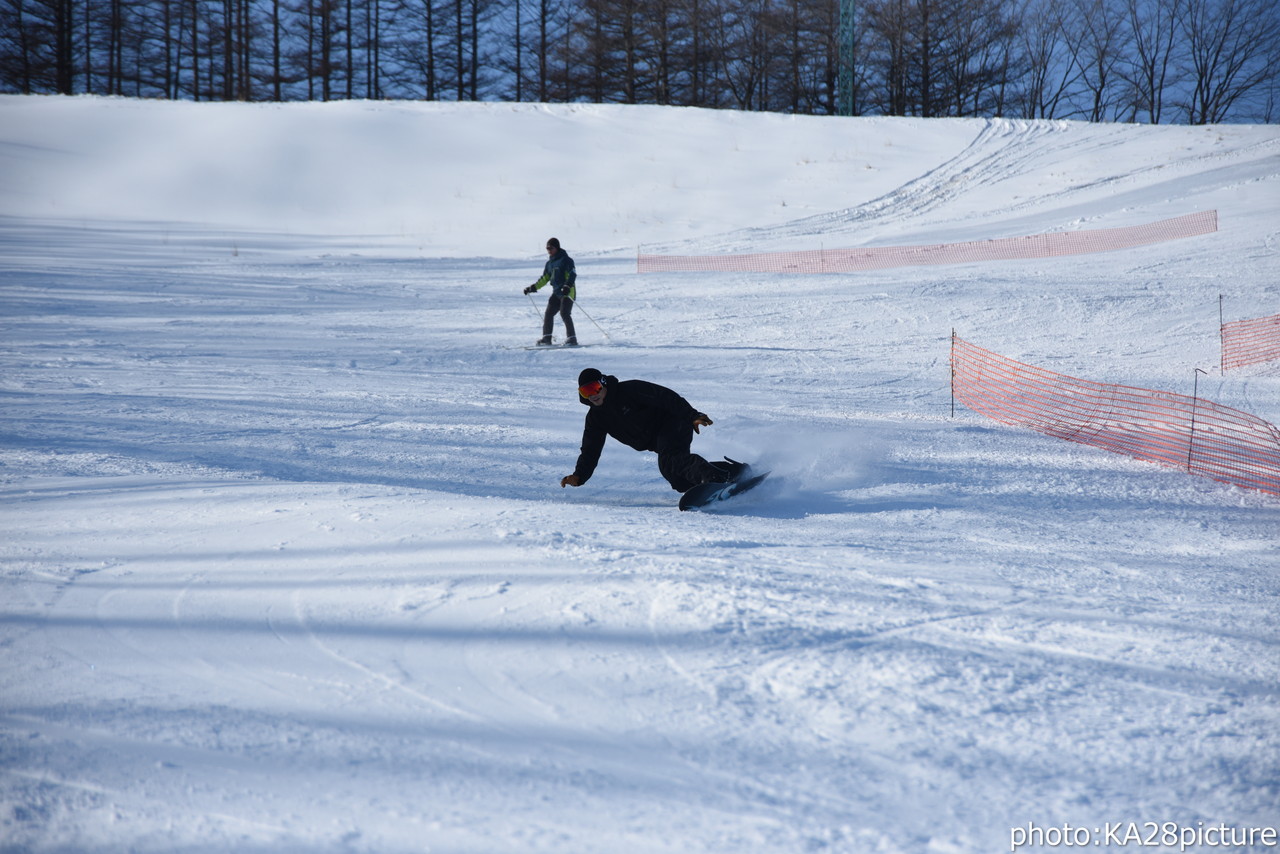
(555, 346)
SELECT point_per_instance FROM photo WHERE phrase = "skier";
(648, 417)
(561, 275)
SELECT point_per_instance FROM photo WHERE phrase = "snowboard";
(711, 493)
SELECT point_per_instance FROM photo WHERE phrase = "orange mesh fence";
(1199, 436)
(876, 258)
(1250, 342)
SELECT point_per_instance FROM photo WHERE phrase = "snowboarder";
(561, 275)
(648, 417)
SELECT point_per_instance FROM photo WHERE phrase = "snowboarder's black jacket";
(634, 412)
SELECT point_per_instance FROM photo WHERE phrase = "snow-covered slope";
(286, 565)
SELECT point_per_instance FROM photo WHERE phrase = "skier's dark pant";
(682, 469)
(562, 306)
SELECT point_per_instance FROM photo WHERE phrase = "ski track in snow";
(287, 567)
(1002, 152)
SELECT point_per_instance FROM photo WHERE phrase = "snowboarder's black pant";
(683, 469)
(562, 306)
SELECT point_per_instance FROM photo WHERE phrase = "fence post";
(1222, 340)
(952, 362)
(1195, 398)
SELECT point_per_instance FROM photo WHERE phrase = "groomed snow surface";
(286, 566)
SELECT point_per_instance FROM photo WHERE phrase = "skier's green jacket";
(560, 274)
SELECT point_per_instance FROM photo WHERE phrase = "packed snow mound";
(491, 179)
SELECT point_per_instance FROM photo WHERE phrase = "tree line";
(1158, 61)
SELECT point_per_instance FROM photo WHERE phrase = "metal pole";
(953, 373)
(844, 79)
(592, 319)
(1195, 397)
(1222, 340)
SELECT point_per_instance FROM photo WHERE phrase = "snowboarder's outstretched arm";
(593, 436)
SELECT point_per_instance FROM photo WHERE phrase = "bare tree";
(38, 44)
(892, 45)
(745, 46)
(517, 65)
(1193, 60)
(1097, 39)
(550, 31)
(1232, 49)
(657, 27)
(1154, 46)
(1050, 74)
(980, 59)
(416, 50)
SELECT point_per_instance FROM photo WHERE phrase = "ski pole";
(592, 319)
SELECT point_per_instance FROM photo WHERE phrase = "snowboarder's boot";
(730, 470)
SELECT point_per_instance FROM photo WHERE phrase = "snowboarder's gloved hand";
(700, 420)
(530, 289)
(570, 480)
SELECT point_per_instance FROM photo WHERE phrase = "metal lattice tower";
(844, 79)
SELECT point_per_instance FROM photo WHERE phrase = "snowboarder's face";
(594, 393)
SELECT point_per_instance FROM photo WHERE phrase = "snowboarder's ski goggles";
(590, 389)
